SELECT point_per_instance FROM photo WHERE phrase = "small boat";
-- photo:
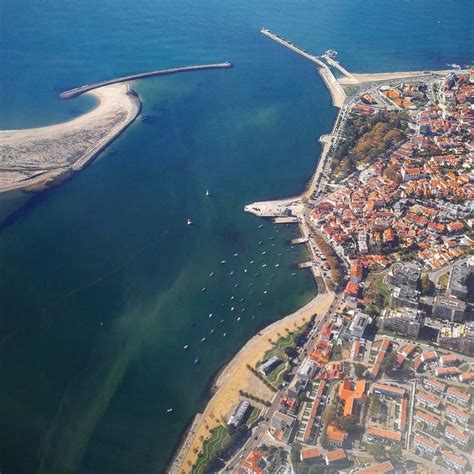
(238, 319)
(252, 261)
(231, 273)
(196, 360)
(236, 285)
(211, 331)
(211, 274)
(293, 274)
(185, 347)
(241, 300)
(203, 339)
(245, 270)
(256, 274)
(225, 334)
(259, 304)
(260, 242)
(189, 221)
(280, 254)
(277, 265)
(223, 261)
(242, 310)
(260, 226)
(210, 315)
(265, 292)
(207, 192)
(271, 238)
(250, 284)
(253, 317)
(264, 253)
(273, 245)
(264, 265)
(232, 309)
(203, 289)
(170, 410)
(232, 297)
(221, 321)
(236, 254)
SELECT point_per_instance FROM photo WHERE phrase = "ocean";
(101, 280)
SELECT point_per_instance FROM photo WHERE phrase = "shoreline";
(235, 376)
(117, 108)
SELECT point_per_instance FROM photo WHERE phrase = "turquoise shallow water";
(100, 282)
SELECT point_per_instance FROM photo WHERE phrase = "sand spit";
(37, 158)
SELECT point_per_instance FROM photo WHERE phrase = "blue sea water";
(100, 281)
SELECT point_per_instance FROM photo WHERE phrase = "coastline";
(235, 376)
(45, 156)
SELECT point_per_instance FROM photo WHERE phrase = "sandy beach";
(386, 76)
(236, 376)
(32, 159)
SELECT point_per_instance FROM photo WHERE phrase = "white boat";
(260, 242)
(238, 319)
(211, 331)
(169, 410)
(232, 309)
(221, 321)
(264, 265)
(203, 289)
(260, 226)
(211, 274)
(203, 339)
(264, 252)
(210, 315)
(185, 347)
(222, 261)
(196, 360)
(277, 265)
(189, 222)
(231, 273)
(225, 334)
(232, 297)
(252, 261)
(207, 192)
(236, 254)
(245, 270)
(265, 292)
(236, 285)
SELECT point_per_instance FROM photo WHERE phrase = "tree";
(395, 452)
(377, 450)
(359, 370)
(329, 415)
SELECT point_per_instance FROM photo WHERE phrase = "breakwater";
(69, 94)
(337, 92)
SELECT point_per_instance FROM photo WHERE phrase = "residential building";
(457, 337)
(405, 296)
(403, 274)
(428, 399)
(457, 414)
(425, 418)
(406, 321)
(458, 396)
(359, 323)
(239, 413)
(309, 454)
(449, 308)
(467, 377)
(381, 468)
(282, 426)
(456, 436)
(269, 365)
(434, 385)
(380, 434)
(446, 371)
(352, 394)
(425, 444)
(388, 390)
(307, 369)
(447, 360)
(454, 460)
(337, 456)
(457, 284)
(335, 436)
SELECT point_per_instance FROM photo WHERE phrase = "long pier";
(69, 94)
(337, 92)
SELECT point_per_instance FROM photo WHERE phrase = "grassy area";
(379, 290)
(219, 438)
(253, 416)
(285, 342)
(443, 282)
(276, 375)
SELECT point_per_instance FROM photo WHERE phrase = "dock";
(307, 264)
(337, 92)
(286, 220)
(69, 94)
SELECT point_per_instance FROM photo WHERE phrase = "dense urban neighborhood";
(383, 381)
